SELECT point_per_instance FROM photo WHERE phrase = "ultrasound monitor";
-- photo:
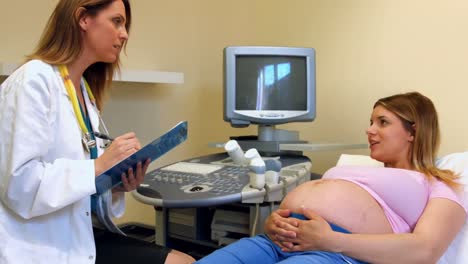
(268, 85)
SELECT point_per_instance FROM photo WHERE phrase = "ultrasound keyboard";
(192, 168)
(195, 177)
(204, 181)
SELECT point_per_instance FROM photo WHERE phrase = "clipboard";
(153, 150)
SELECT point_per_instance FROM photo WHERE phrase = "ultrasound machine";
(264, 86)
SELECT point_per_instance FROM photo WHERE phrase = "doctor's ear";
(82, 17)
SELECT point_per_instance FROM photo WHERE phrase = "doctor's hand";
(122, 147)
(131, 180)
(280, 224)
(312, 234)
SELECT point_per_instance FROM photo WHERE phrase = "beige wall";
(366, 49)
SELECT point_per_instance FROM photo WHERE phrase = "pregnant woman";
(394, 214)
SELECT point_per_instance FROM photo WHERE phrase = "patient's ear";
(412, 133)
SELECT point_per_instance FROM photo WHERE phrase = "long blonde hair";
(419, 117)
(61, 40)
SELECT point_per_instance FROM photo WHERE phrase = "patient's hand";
(279, 223)
(312, 234)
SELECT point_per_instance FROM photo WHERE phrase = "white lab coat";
(46, 177)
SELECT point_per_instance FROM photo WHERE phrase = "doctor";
(49, 157)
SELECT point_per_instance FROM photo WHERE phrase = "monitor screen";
(271, 83)
(268, 85)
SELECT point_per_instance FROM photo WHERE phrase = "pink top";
(403, 194)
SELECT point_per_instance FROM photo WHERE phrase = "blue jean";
(261, 250)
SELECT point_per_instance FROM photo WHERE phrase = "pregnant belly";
(340, 202)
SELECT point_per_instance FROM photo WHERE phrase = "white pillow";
(457, 253)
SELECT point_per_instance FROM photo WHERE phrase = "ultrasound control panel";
(203, 181)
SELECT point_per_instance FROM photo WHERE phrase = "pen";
(102, 136)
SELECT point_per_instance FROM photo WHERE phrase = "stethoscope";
(88, 141)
